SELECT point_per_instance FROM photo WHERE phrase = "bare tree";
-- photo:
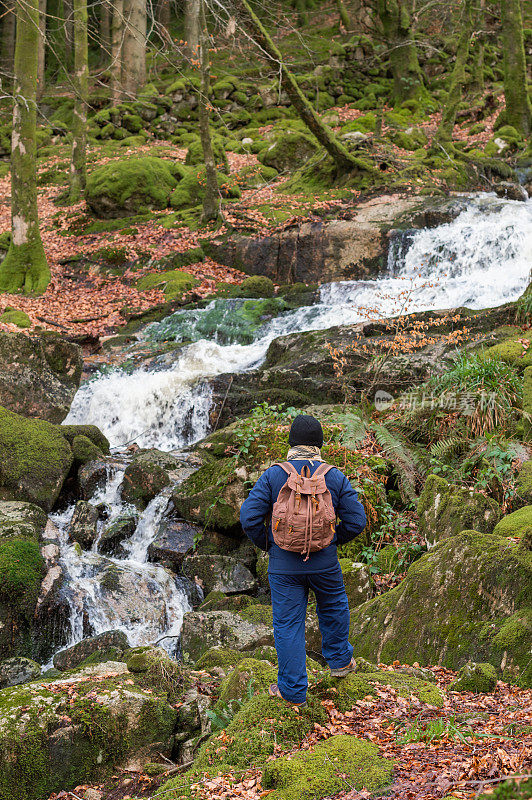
(117, 36)
(211, 200)
(458, 75)
(192, 16)
(78, 163)
(25, 267)
(518, 107)
(134, 47)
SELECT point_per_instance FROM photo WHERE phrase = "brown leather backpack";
(303, 516)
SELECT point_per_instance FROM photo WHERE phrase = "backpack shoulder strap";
(323, 469)
(286, 466)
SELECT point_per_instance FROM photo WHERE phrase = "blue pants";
(289, 601)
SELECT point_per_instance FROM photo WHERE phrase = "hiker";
(292, 512)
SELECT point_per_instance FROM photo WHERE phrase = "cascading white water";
(480, 259)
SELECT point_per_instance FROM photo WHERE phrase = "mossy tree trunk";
(518, 107)
(78, 162)
(396, 20)
(345, 162)
(134, 47)
(42, 48)
(344, 16)
(8, 42)
(68, 10)
(478, 55)
(458, 76)
(192, 16)
(117, 37)
(211, 201)
(104, 23)
(24, 267)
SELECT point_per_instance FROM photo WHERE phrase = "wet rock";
(73, 656)
(203, 630)
(510, 191)
(18, 518)
(445, 510)
(14, 671)
(36, 459)
(174, 540)
(219, 574)
(83, 527)
(39, 375)
(93, 476)
(146, 476)
(212, 496)
(468, 598)
(115, 533)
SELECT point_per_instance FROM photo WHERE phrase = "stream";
(481, 259)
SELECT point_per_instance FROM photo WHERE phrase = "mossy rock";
(36, 459)
(129, 186)
(194, 154)
(453, 607)
(512, 350)
(367, 123)
(411, 139)
(357, 581)
(510, 790)
(517, 524)
(191, 189)
(445, 510)
(91, 432)
(146, 476)
(212, 496)
(220, 657)
(84, 450)
(356, 686)
(289, 151)
(14, 317)
(478, 678)
(326, 770)
(249, 676)
(174, 283)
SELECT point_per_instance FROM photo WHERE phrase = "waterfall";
(480, 259)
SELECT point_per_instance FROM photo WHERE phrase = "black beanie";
(305, 430)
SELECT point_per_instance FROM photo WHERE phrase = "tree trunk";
(105, 31)
(344, 16)
(8, 40)
(396, 23)
(478, 57)
(134, 47)
(446, 126)
(42, 48)
(117, 36)
(518, 107)
(192, 15)
(162, 19)
(81, 88)
(211, 201)
(24, 267)
(69, 33)
(341, 156)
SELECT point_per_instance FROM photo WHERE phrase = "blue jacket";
(258, 506)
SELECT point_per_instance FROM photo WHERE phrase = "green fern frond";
(354, 430)
(446, 448)
(402, 457)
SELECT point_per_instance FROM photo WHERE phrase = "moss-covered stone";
(524, 482)
(146, 476)
(327, 768)
(289, 151)
(36, 459)
(478, 678)
(91, 432)
(191, 189)
(256, 286)
(13, 317)
(517, 524)
(356, 686)
(84, 450)
(174, 283)
(513, 349)
(212, 496)
(129, 186)
(250, 676)
(445, 510)
(195, 154)
(357, 581)
(453, 606)
(220, 657)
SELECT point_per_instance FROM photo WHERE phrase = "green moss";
(510, 790)
(174, 283)
(84, 450)
(258, 613)
(478, 678)
(516, 524)
(327, 769)
(219, 657)
(512, 350)
(191, 189)
(250, 674)
(411, 139)
(364, 124)
(256, 286)
(21, 572)
(195, 154)
(35, 459)
(129, 186)
(209, 495)
(70, 432)
(358, 685)
(288, 151)
(14, 317)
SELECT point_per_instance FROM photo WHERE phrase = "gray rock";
(18, 518)
(39, 375)
(92, 476)
(83, 527)
(203, 630)
(510, 191)
(146, 476)
(115, 533)
(14, 671)
(73, 656)
(219, 574)
(357, 581)
(174, 540)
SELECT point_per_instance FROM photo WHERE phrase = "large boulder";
(518, 524)
(147, 475)
(219, 574)
(61, 732)
(445, 510)
(36, 459)
(72, 657)
(14, 671)
(203, 630)
(357, 581)
(468, 599)
(130, 186)
(39, 375)
(83, 527)
(175, 538)
(289, 151)
(213, 495)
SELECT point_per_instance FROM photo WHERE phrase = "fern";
(354, 431)
(402, 457)
(446, 448)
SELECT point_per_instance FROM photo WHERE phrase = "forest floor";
(458, 751)
(84, 301)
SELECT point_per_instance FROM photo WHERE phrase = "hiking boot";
(342, 672)
(274, 691)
